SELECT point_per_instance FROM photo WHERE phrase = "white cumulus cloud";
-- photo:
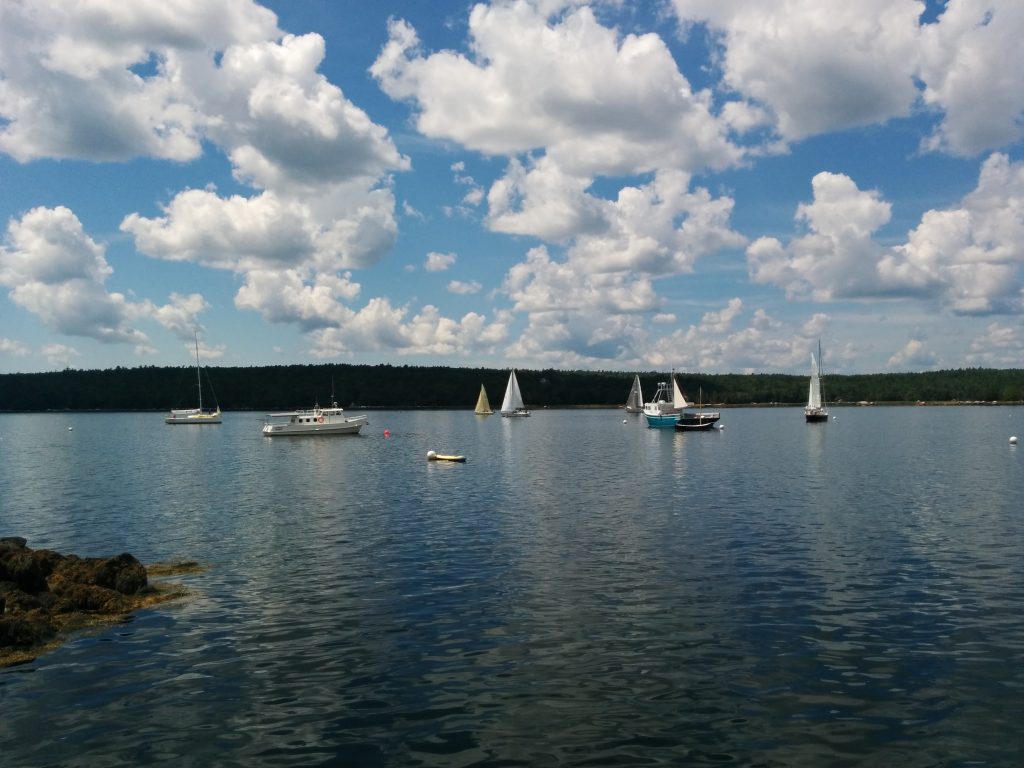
(972, 65)
(439, 262)
(102, 80)
(914, 355)
(596, 102)
(464, 288)
(816, 66)
(967, 258)
(57, 272)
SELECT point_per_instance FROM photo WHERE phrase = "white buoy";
(623, 421)
(1013, 440)
(431, 455)
(71, 429)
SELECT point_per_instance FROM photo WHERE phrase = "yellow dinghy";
(434, 456)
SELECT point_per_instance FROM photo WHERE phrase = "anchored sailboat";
(513, 405)
(815, 410)
(196, 415)
(483, 406)
(694, 421)
(635, 401)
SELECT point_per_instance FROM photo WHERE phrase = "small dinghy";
(435, 456)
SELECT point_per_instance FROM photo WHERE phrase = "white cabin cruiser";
(315, 421)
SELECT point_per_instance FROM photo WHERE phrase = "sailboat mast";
(199, 380)
(821, 387)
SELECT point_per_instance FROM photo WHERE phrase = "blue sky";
(691, 184)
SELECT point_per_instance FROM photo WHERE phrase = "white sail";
(635, 401)
(483, 405)
(678, 399)
(513, 398)
(814, 391)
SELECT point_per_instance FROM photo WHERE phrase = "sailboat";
(695, 421)
(512, 405)
(662, 412)
(635, 401)
(483, 405)
(814, 410)
(195, 415)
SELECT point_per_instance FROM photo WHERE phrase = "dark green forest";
(389, 386)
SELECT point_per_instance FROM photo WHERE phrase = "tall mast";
(199, 380)
(821, 387)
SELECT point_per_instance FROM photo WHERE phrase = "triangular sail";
(678, 399)
(482, 404)
(513, 398)
(814, 390)
(635, 401)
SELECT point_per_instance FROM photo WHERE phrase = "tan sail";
(483, 407)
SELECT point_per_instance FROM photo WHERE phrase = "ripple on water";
(579, 592)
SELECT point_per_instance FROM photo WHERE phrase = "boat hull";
(695, 426)
(814, 416)
(661, 420)
(331, 425)
(697, 422)
(514, 414)
(193, 418)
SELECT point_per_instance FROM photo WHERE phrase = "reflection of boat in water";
(196, 415)
(815, 410)
(314, 421)
(483, 405)
(513, 405)
(661, 411)
(699, 420)
(635, 401)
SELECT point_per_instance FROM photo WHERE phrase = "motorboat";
(663, 410)
(314, 421)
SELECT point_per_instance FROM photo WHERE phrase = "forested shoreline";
(152, 388)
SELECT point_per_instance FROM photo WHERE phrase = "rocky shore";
(44, 595)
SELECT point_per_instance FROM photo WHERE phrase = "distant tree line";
(390, 386)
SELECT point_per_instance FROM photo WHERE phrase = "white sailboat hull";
(193, 416)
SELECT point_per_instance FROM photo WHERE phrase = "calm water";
(582, 591)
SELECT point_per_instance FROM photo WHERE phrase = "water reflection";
(581, 590)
